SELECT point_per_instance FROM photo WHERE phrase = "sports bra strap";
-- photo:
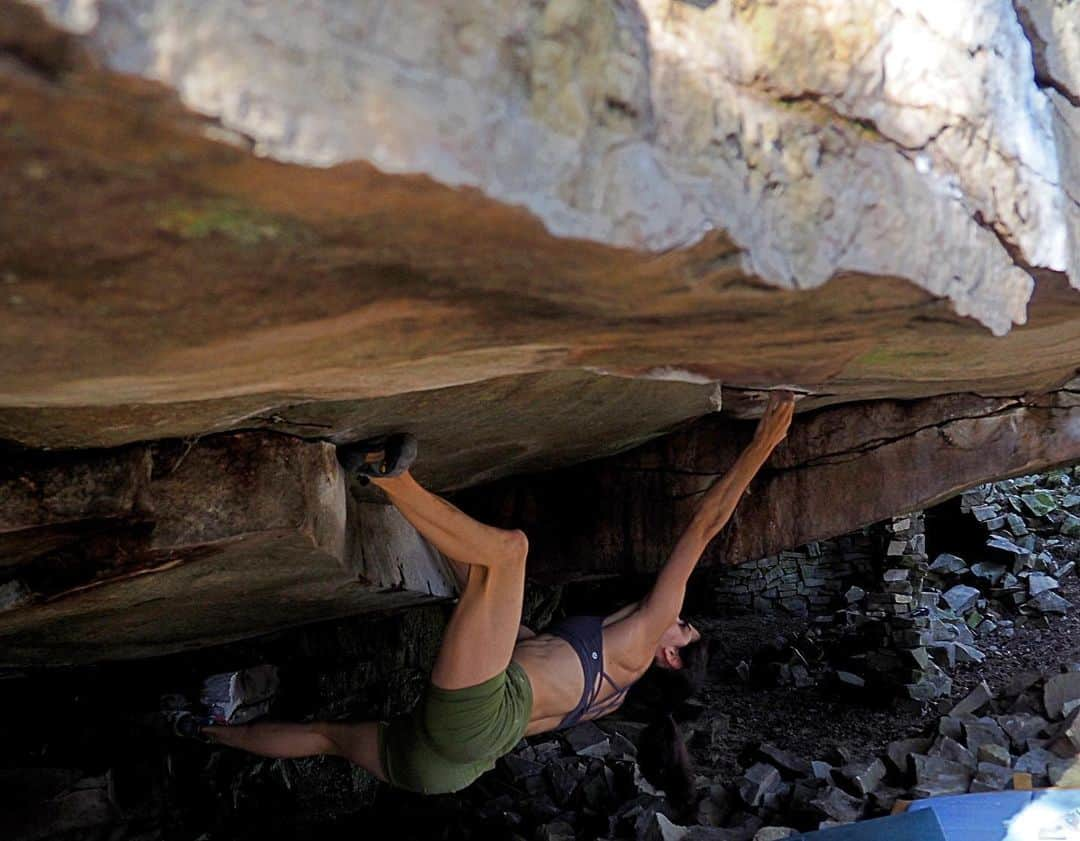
(585, 634)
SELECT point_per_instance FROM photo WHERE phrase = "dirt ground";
(807, 722)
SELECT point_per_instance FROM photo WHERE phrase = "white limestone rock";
(903, 138)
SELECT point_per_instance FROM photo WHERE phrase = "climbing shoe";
(378, 458)
(189, 726)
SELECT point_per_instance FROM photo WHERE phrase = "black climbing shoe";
(189, 726)
(378, 458)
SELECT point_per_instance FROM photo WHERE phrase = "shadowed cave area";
(90, 754)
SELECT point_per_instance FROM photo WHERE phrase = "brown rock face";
(193, 326)
(840, 469)
(241, 533)
(161, 547)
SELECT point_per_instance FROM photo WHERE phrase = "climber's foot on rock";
(378, 458)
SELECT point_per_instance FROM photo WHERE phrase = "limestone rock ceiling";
(161, 282)
(532, 234)
(886, 137)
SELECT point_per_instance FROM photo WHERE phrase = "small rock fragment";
(518, 769)
(838, 805)
(586, 739)
(935, 776)
(982, 513)
(864, 777)
(884, 798)
(953, 751)
(991, 777)
(1039, 503)
(1071, 526)
(900, 751)
(663, 829)
(968, 653)
(1060, 690)
(14, 594)
(789, 765)
(850, 679)
(1039, 582)
(562, 831)
(759, 780)
(1020, 727)
(993, 573)
(961, 598)
(979, 697)
(951, 726)
(1063, 772)
(984, 731)
(564, 775)
(996, 541)
(1050, 602)
(1034, 762)
(1065, 739)
(946, 563)
(1016, 524)
(995, 754)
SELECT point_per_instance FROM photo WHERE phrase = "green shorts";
(455, 735)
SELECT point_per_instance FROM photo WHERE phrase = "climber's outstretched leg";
(483, 629)
(358, 743)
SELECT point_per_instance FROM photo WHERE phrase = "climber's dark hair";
(663, 690)
(662, 755)
(665, 762)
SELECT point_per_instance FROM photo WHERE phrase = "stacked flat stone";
(916, 620)
(894, 619)
(1028, 520)
(889, 614)
(803, 581)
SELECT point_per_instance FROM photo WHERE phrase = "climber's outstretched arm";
(664, 603)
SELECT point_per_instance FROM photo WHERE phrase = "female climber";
(495, 681)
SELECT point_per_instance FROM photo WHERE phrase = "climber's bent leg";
(449, 529)
(479, 702)
(483, 629)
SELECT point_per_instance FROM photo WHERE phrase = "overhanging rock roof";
(531, 235)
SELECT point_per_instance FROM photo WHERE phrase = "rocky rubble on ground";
(585, 783)
(1029, 521)
(906, 634)
(1032, 727)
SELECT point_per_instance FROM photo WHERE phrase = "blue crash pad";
(922, 825)
(1006, 815)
